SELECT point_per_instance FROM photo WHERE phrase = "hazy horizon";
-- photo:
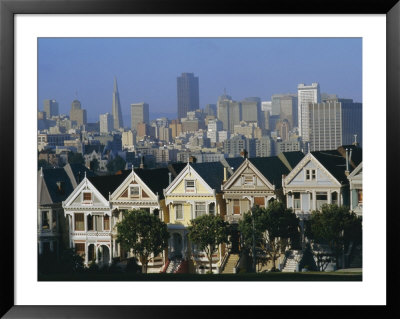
(147, 68)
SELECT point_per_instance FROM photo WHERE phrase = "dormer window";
(134, 191)
(190, 186)
(87, 197)
(311, 175)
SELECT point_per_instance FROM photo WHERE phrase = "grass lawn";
(271, 276)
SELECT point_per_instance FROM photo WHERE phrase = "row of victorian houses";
(79, 210)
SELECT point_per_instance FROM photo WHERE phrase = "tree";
(144, 234)
(75, 158)
(336, 227)
(94, 164)
(116, 164)
(208, 232)
(274, 228)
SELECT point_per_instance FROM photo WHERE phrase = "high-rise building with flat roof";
(251, 111)
(50, 107)
(77, 114)
(229, 112)
(139, 114)
(334, 123)
(306, 94)
(106, 123)
(188, 94)
(116, 108)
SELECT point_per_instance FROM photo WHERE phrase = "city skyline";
(147, 69)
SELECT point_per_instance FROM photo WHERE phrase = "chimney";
(225, 173)
(169, 177)
(347, 162)
(244, 153)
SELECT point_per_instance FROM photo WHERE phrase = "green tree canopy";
(274, 227)
(75, 158)
(116, 164)
(144, 233)
(208, 232)
(334, 226)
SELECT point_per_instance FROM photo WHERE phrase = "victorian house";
(321, 178)
(88, 213)
(356, 190)
(141, 189)
(54, 186)
(194, 192)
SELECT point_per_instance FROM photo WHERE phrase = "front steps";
(230, 264)
(293, 258)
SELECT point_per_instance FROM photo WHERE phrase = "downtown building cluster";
(303, 121)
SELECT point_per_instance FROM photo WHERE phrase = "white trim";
(84, 185)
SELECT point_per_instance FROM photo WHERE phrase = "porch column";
(51, 220)
(183, 245)
(329, 196)
(109, 254)
(97, 254)
(340, 197)
(314, 200)
(86, 253)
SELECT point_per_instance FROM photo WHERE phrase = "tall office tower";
(176, 128)
(77, 114)
(188, 94)
(106, 123)
(266, 106)
(333, 123)
(283, 128)
(229, 112)
(288, 109)
(116, 108)
(306, 94)
(50, 107)
(128, 139)
(139, 114)
(251, 111)
(211, 109)
(264, 147)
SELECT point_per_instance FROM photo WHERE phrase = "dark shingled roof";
(335, 161)
(293, 158)
(79, 172)
(212, 173)
(52, 177)
(156, 179)
(272, 168)
(109, 183)
(234, 162)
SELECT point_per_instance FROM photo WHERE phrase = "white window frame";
(87, 202)
(176, 211)
(191, 189)
(312, 174)
(195, 208)
(134, 186)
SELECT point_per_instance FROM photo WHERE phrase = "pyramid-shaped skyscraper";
(116, 108)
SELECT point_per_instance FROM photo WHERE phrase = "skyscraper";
(306, 94)
(77, 114)
(188, 94)
(139, 114)
(334, 123)
(116, 108)
(106, 123)
(229, 112)
(50, 107)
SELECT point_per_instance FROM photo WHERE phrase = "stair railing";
(224, 261)
(235, 269)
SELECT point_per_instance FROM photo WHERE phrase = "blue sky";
(147, 68)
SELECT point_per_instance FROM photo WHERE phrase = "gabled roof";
(155, 178)
(109, 183)
(76, 173)
(335, 162)
(291, 158)
(54, 186)
(90, 148)
(235, 162)
(356, 171)
(272, 168)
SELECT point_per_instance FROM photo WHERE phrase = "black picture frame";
(8, 10)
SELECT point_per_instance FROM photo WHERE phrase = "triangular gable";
(178, 182)
(122, 192)
(357, 171)
(302, 165)
(74, 198)
(246, 165)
